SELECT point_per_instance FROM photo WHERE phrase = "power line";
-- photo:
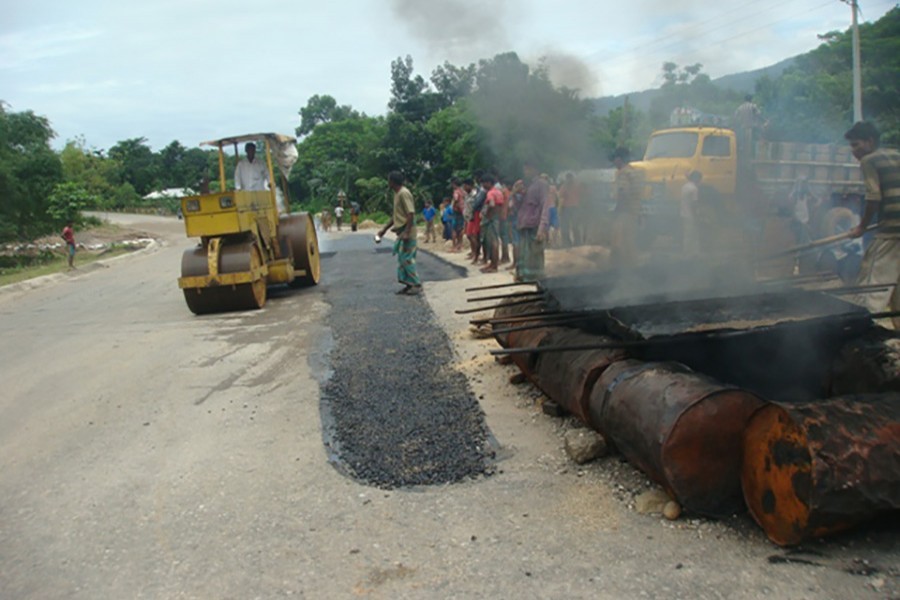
(683, 33)
(633, 58)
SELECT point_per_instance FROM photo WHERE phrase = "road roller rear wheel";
(301, 234)
(233, 258)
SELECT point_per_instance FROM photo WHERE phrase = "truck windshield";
(679, 144)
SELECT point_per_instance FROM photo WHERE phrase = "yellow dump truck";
(246, 240)
(753, 184)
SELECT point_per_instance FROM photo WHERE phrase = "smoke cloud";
(456, 30)
(567, 70)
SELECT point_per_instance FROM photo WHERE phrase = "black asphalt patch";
(395, 412)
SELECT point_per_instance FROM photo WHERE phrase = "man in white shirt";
(250, 174)
(690, 198)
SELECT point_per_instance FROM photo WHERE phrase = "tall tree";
(137, 164)
(322, 109)
(29, 170)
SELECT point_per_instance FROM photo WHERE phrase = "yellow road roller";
(248, 237)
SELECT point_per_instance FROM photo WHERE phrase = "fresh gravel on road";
(395, 411)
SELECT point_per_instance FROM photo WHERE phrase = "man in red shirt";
(490, 223)
(68, 234)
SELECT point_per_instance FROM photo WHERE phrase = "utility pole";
(857, 69)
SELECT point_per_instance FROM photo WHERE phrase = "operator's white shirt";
(251, 176)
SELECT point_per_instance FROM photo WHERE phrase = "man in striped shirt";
(881, 173)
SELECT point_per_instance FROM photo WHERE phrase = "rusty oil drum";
(818, 468)
(515, 310)
(569, 377)
(529, 338)
(681, 428)
(868, 364)
(528, 362)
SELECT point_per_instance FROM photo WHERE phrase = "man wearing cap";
(251, 174)
(881, 174)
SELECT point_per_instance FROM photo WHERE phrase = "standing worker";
(569, 218)
(623, 244)
(354, 216)
(532, 222)
(403, 224)
(690, 199)
(251, 174)
(339, 210)
(747, 121)
(881, 174)
(68, 234)
(490, 224)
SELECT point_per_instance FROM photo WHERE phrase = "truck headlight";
(192, 205)
(226, 202)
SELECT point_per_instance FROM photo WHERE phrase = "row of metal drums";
(803, 470)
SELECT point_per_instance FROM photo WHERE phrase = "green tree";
(67, 201)
(322, 109)
(333, 156)
(88, 167)
(689, 87)
(138, 165)
(812, 100)
(29, 170)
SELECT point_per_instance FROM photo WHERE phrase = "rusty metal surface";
(868, 364)
(528, 361)
(818, 468)
(568, 377)
(681, 428)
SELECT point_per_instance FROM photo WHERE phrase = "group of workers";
(493, 215)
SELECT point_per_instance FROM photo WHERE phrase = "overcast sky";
(194, 70)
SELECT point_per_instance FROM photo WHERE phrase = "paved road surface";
(149, 453)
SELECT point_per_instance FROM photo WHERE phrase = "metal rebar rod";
(500, 285)
(554, 323)
(826, 241)
(858, 289)
(502, 296)
(542, 315)
(496, 306)
(813, 278)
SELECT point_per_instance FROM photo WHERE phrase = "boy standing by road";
(68, 234)
(429, 212)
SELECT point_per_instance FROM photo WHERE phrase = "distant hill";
(740, 82)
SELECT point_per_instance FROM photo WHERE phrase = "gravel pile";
(395, 412)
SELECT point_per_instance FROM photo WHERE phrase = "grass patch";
(58, 264)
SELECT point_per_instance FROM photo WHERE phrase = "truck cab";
(673, 153)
